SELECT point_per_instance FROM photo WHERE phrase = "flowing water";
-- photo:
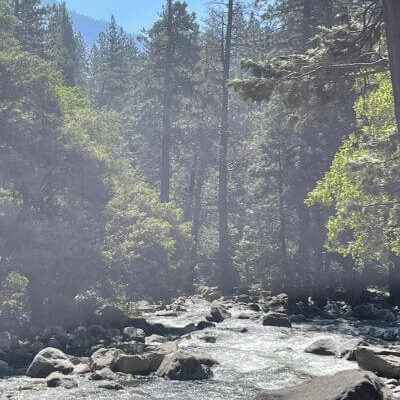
(263, 358)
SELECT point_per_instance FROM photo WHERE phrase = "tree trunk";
(392, 19)
(224, 256)
(167, 108)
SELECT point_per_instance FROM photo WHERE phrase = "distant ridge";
(87, 26)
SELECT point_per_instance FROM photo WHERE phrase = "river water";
(262, 358)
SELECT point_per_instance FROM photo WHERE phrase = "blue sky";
(133, 15)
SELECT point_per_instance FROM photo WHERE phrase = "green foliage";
(359, 182)
(13, 296)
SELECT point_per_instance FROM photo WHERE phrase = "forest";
(254, 152)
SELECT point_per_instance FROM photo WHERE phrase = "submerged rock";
(346, 385)
(47, 361)
(322, 347)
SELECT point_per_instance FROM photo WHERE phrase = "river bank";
(249, 357)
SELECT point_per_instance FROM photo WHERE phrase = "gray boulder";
(322, 347)
(104, 374)
(180, 367)
(218, 314)
(135, 334)
(131, 347)
(47, 361)
(57, 379)
(103, 358)
(345, 385)
(277, 319)
(384, 362)
(347, 350)
(137, 364)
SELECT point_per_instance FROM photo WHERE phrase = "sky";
(132, 15)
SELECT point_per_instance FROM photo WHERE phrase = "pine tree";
(31, 29)
(64, 46)
(112, 66)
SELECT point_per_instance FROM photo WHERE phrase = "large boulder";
(103, 358)
(180, 367)
(134, 334)
(277, 319)
(345, 385)
(57, 379)
(47, 361)
(323, 347)
(347, 349)
(137, 364)
(218, 314)
(384, 362)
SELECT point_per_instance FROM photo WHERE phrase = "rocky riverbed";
(250, 357)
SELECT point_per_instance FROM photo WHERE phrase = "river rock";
(104, 374)
(204, 325)
(111, 386)
(180, 367)
(209, 293)
(57, 379)
(208, 337)
(384, 362)
(345, 385)
(322, 347)
(347, 350)
(218, 314)
(81, 369)
(277, 319)
(139, 364)
(278, 303)
(103, 358)
(5, 341)
(131, 347)
(47, 361)
(254, 307)
(135, 334)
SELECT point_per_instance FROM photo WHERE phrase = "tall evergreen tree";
(64, 47)
(31, 29)
(112, 66)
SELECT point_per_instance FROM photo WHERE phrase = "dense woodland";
(257, 147)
